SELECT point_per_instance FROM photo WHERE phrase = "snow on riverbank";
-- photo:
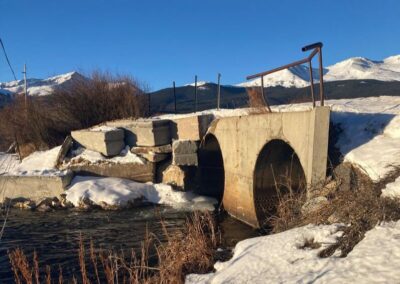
(82, 155)
(120, 192)
(280, 259)
(40, 163)
(8, 162)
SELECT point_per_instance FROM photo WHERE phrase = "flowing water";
(55, 235)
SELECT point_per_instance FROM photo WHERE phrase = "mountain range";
(353, 77)
(356, 68)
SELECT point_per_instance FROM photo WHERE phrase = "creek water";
(55, 235)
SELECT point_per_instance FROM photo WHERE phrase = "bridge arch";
(211, 167)
(278, 171)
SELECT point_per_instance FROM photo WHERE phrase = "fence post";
(195, 93)
(219, 91)
(149, 103)
(174, 96)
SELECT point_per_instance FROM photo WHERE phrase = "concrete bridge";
(243, 160)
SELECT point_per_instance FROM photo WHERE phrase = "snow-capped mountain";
(41, 87)
(356, 68)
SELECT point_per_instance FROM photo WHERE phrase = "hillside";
(162, 101)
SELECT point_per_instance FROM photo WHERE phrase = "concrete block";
(185, 159)
(154, 157)
(182, 178)
(191, 128)
(109, 143)
(144, 132)
(34, 188)
(163, 149)
(133, 171)
(184, 147)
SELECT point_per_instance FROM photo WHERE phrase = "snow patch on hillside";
(41, 87)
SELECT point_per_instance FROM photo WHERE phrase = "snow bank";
(119, 192)
(8, 162)
(278, 259)
(82, 155)
(392, 190)
(41, 163)
(103, 128)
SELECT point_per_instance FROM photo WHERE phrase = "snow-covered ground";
(83, 155)
(356, 68)
(279, 258)
(119, 192)
(8, 162)
(41, 163)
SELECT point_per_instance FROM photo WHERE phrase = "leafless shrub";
(257, 101)
(43, 122)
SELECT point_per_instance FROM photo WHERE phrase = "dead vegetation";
(257, 102)
(42, 122)
(354, 201)
(189, 250)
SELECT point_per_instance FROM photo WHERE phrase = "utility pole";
(25, 86)
(174, 95)
(219, 91)
(195, 93)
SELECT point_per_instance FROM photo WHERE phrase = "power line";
(8, 61)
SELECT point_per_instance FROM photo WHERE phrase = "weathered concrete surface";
(163, 149)
(185, 160)
(154, 157)
(137, 172)
(144, 132)
(241, 139)
(184, 153)
(191, 128)
(34, 188)
(109, 143)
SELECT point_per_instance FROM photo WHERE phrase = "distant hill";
(162, 101)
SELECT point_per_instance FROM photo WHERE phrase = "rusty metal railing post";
(317, 48)
(311, 82)
(219, 91)
(321, 77)
(262, 94)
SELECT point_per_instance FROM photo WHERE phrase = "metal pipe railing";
(317, 48)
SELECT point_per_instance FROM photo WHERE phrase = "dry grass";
(44, 122)
(256, 101)
(359, 205)
(190, 250)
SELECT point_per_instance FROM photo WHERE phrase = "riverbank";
(55, 235)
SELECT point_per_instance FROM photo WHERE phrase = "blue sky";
(161, 41)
